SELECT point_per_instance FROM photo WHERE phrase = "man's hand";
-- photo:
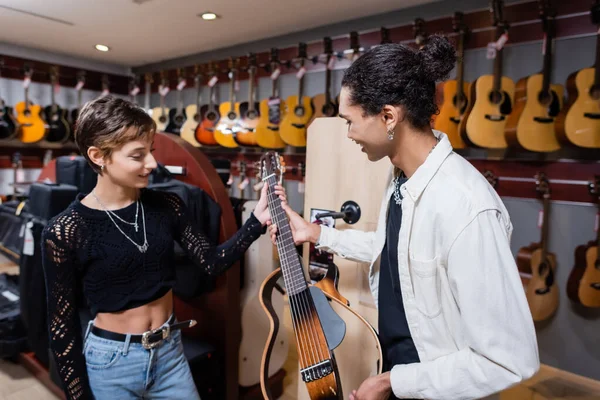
(302, 231)
(375, 388)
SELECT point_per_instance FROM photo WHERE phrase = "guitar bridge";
(317, 371)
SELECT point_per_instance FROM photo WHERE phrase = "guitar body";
(8, 126)
(162, 120)
(486, 121)
(579, 123)
(228, 125)
(205, 131)
(324, 109)
(176, 121)
(188, 130)
(267, 129)
(531, 125)
(451, 111)
(59, 130)
(295, 122)
(31, 125)
(542, 291)
(583, 286)
(248, 123)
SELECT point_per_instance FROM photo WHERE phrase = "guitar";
(579, 122)
(160, 114)
(148, 92)
(541, 291)
(229, 124)
(419, 32)
(271, 110)
(324, 105)
(205, 131)
(531, 126)
(355, 47)
(318, 329)
(59, 130)
(32, 127)
(492, 96)
(455, 92)
(177, 115)
(75, 111)
(299, 109)
(194, 111)
(8, 126)
(249, 113)
(583, 286)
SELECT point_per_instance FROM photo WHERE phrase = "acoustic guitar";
(160, 114)
(177, 115)
(455, 91)
(531, 126)
(541, 291)
(8, 126)
(271, 111)
(579, 123)
(229, 124)
(492, 96)
(249, 113)
(59, 130)
(324, 105)
(32, 127)
(583, 286)
(75, 112)
(194, 111)
(299, 109)
(205, 131)
(318, 329)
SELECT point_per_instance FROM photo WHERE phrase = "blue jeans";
(124, 370)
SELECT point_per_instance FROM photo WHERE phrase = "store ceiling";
(139, 32)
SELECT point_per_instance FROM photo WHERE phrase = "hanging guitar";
(193, 112)
(324, 105)
(271, 111)
(75, 112)
(249, 113)
(318, 329)
(8, 126)
(32, 127)
(583, 286)
(229, 124)
(59, 130)
(160, 114)
(205, 131)
(177, 115)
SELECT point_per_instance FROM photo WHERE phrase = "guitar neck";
(146, 96)
(301, 84)
(597, 64)
(232, 91)
(198, 93)
(498, 62)
(327, 81)
(460, 66)
(251, 91)
(544, 240)
(291, 268)
(548, 62)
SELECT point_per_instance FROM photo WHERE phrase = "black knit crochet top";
(82, 248)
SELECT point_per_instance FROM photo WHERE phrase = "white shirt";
(464, 300)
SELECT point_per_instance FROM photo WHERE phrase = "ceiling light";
(209, 16)
(102, 47)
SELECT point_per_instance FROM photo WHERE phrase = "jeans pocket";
(100, 357)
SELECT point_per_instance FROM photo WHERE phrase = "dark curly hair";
(397, 74)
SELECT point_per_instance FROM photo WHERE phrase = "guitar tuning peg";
(315, 60)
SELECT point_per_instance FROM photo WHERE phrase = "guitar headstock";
(327, 46)
(385, 36)
(547, 15)
(180, 74)
(252, 62)
(458, 23)
(53, 73)
(419, 31)
(542, 185)
(271, 163)
(594, 187)
(497, 10)
(148, 77)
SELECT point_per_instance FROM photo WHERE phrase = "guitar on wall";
(324, 105)
(177, 116)
(249, 113)
(583, 286)
(318, 329)
(8, 126)
(59, 130)
(32, 127)
(541, 291)
(229, 124)
(579, 122)
(492, 96)
(205, 131)
(531, 126)
(75, 111)
(193, 112)
(160, 114)
(271, 111)
(148, 81)
(299, 109)
(456, 91)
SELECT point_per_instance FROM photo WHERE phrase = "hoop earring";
(390, 134)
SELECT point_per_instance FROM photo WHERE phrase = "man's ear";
(96, 155)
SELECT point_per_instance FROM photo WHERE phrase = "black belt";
(149, 339)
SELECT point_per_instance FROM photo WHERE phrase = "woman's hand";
(302, 231)
(261, 212)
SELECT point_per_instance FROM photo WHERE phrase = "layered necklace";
(138, 204)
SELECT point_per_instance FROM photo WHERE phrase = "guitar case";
(13, 339)
(75, 171)
(47, 200)
(11, 229)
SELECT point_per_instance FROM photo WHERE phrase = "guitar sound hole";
(211, 116)
(495, 97)
(460, 102)
(327, 110)
(179, 120)
(251, 115)
(162, 119)
(27, 113)
(197, 117)
(231, 115)
(545, 98)
(595, 285)
(299, 111)
(595, 92)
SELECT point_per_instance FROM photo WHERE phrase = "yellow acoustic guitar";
(492, 99)
(193, 112)
(455, 92)
(229, 124)
(531, 126)
(271, 111)
(32, 128)
(299, 110)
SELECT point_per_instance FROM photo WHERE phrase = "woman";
(116, 244)
(453, 318)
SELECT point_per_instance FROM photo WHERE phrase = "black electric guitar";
(59, 130)
(177, 115)
(8, 126)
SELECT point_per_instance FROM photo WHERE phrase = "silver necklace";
(134, 223)
(143, 248)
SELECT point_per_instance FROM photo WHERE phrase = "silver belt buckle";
(166, 331)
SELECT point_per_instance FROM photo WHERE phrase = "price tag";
(540, 218)
(236, 85)
(275, 74)
(301, 187)
(28, 244)
(79, 85)
(26, 82)
(163, 90)
(300, 72)
(230, 180)
(491, 51)
(134, 91)
(213, 81)
(244, 183)
(181, 85)
(331, 63)
(501, 41)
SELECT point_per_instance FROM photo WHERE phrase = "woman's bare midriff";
(138, 320)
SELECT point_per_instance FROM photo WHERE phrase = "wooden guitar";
(193, 112)
(271, 111)
(541, 291)
(32, 127)
(205, 131)
(8, 126)
(59, 130)
(229, 124)
(583, 286)
(75, 111)
(531, 126)
(249, 113)
(177, 115)
(579, 122)
(299, 109)
(455, 92)
(160, 114)
(324, 105)
(148, 80)
(492, 97)
(318, 329)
